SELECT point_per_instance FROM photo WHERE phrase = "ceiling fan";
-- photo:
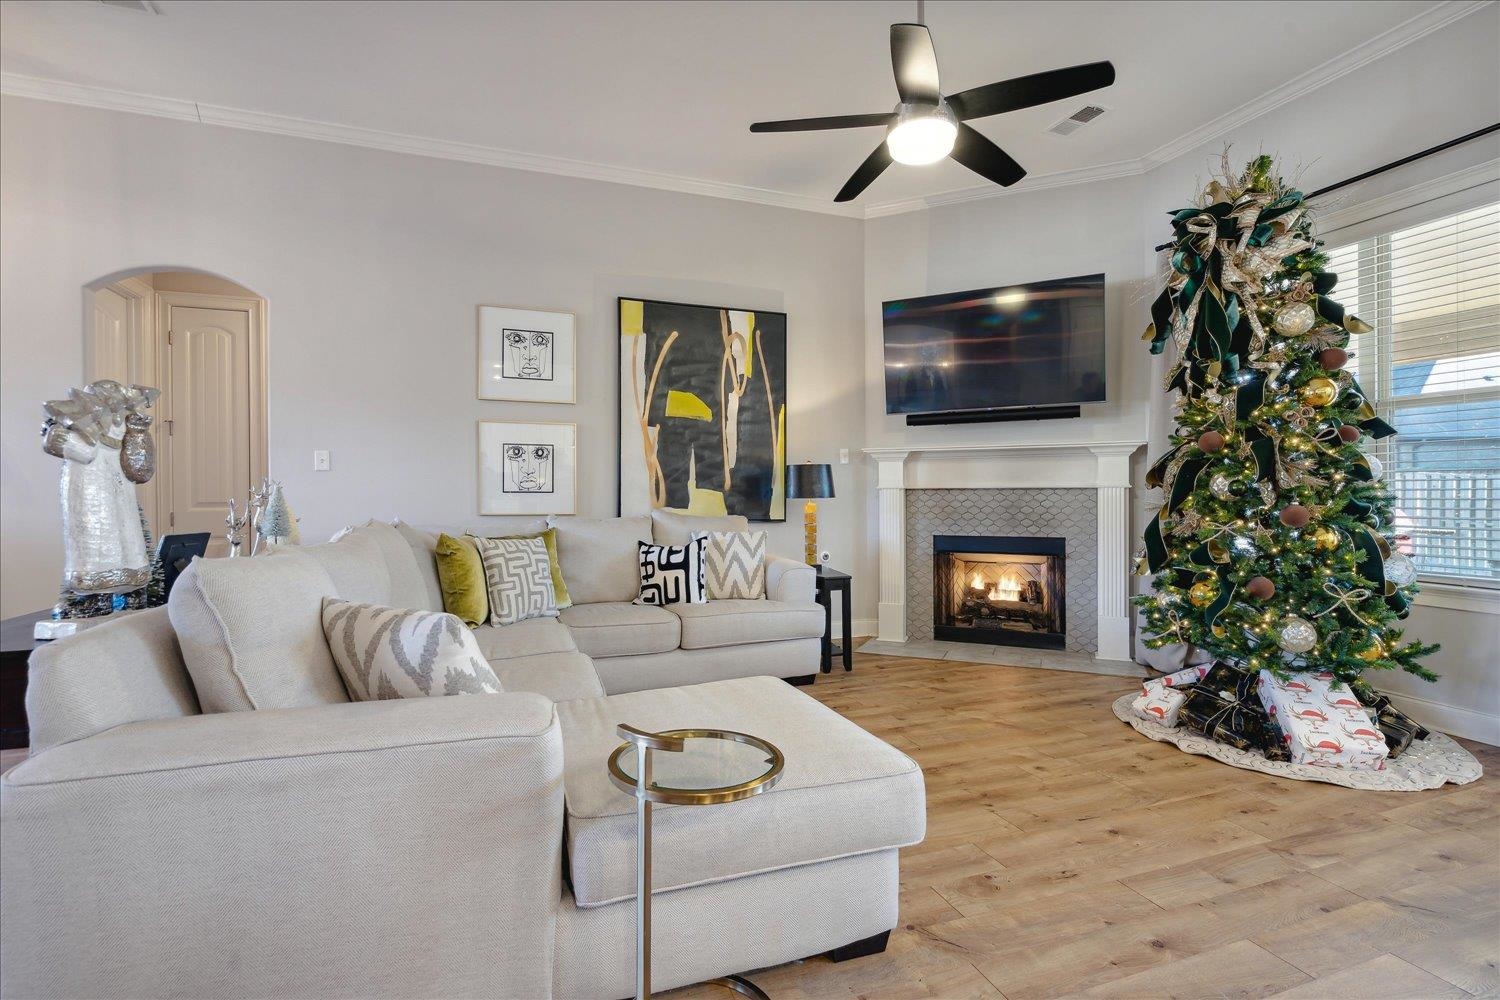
(926, 126)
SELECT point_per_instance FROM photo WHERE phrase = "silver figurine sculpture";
(101, 433)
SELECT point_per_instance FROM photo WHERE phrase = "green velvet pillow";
(461, 578)
(559, 587)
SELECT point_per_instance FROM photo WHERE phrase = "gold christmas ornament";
(1294, 319)
(1374, 651)
(1202, 593)
(1325, 538)
(1319, 391)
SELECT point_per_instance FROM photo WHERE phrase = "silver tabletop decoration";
(104, 543)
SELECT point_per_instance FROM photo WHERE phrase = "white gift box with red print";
(1160, 700)
(1324, 724)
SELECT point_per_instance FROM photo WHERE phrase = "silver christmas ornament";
(1220, 486)
(1400, 570)
(1294, 319)
(1376, 468)
(1296, 635)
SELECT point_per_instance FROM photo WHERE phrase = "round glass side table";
(699, 767)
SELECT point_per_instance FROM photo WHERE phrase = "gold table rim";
(704, 796)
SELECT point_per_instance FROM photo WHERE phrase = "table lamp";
(810, 482)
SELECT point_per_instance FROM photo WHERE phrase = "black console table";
(829, 581)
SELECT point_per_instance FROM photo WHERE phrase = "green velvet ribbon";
(1187, 479)
(1156, 547)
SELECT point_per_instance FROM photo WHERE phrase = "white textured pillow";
(734, 564)
(518, 574)
(386, 653)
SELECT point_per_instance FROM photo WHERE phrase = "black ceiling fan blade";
(914, 62)
(813, 124)
(872, 168)
(985, 158)
(1029, 91)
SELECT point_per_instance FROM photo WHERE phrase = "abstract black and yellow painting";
(702, 410)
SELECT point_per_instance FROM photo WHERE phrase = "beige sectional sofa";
(204, 814)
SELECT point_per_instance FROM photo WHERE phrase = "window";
(1432, 370)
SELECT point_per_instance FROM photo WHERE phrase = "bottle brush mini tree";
(1273, 545)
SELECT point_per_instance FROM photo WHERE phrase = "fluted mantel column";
(890, 486)
(1114, 552)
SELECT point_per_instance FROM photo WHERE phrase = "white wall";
(372, 265)
(1441, 86)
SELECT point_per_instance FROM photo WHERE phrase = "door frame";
(256, 307)
(146, 359)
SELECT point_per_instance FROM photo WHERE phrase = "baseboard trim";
(1450, 719)
(862, 627)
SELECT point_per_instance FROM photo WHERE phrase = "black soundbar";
(991, 416)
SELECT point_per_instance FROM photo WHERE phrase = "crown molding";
(14, 84)
(1433, 19)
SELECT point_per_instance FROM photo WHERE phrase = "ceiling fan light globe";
(918, 141)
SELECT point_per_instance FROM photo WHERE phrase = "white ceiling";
(633, 91)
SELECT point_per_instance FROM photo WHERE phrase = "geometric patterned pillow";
(518, 573)
(387, 653)
(734, 564)
(672, 574)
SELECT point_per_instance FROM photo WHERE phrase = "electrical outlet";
(320, 461)
(843, 456)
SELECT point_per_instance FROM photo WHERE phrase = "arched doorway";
(201, 339)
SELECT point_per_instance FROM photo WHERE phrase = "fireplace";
(999, 590)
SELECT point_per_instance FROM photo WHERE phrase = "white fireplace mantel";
(1099, 465)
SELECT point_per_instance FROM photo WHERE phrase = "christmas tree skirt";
(1426, 763)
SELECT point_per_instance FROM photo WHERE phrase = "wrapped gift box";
(1325, 725)
(1399, 728)
(1160, 701)
(1240, 724)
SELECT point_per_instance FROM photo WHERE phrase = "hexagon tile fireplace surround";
(1101, 466)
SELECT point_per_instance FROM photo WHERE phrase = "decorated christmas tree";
(1273, 548)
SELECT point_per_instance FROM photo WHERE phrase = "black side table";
(16, 645)
(829, 581)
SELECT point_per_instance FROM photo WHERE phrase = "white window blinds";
(1432, 370)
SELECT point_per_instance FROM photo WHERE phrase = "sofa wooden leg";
(859, 949)
(806, 680)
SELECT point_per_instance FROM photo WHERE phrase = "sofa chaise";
(292, 843)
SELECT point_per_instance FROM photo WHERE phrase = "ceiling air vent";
(139, 6)
(1077, 119)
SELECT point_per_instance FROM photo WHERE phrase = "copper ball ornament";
(1333, 358)
(1348, 433)
(1295, 516)
(1202, 593)
(1319, 391)
(1261, 588)
(1211, 441)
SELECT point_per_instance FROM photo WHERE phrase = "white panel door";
(209, 437)
(120, 344)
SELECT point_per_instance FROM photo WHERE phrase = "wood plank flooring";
(1066, 855)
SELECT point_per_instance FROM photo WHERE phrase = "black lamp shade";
(809, 481)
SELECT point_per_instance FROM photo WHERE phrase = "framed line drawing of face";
(526, 355)
(527, 468)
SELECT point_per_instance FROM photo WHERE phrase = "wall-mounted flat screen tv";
(1038, 344)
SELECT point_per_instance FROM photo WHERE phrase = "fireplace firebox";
(999, 590)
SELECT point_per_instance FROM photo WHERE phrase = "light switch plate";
(843, 456)
(321, 462)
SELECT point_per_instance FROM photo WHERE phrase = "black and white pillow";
(672, 574)
(735, 564)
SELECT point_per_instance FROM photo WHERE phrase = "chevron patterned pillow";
(518, 572)
(386, 653)
(734, 564)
